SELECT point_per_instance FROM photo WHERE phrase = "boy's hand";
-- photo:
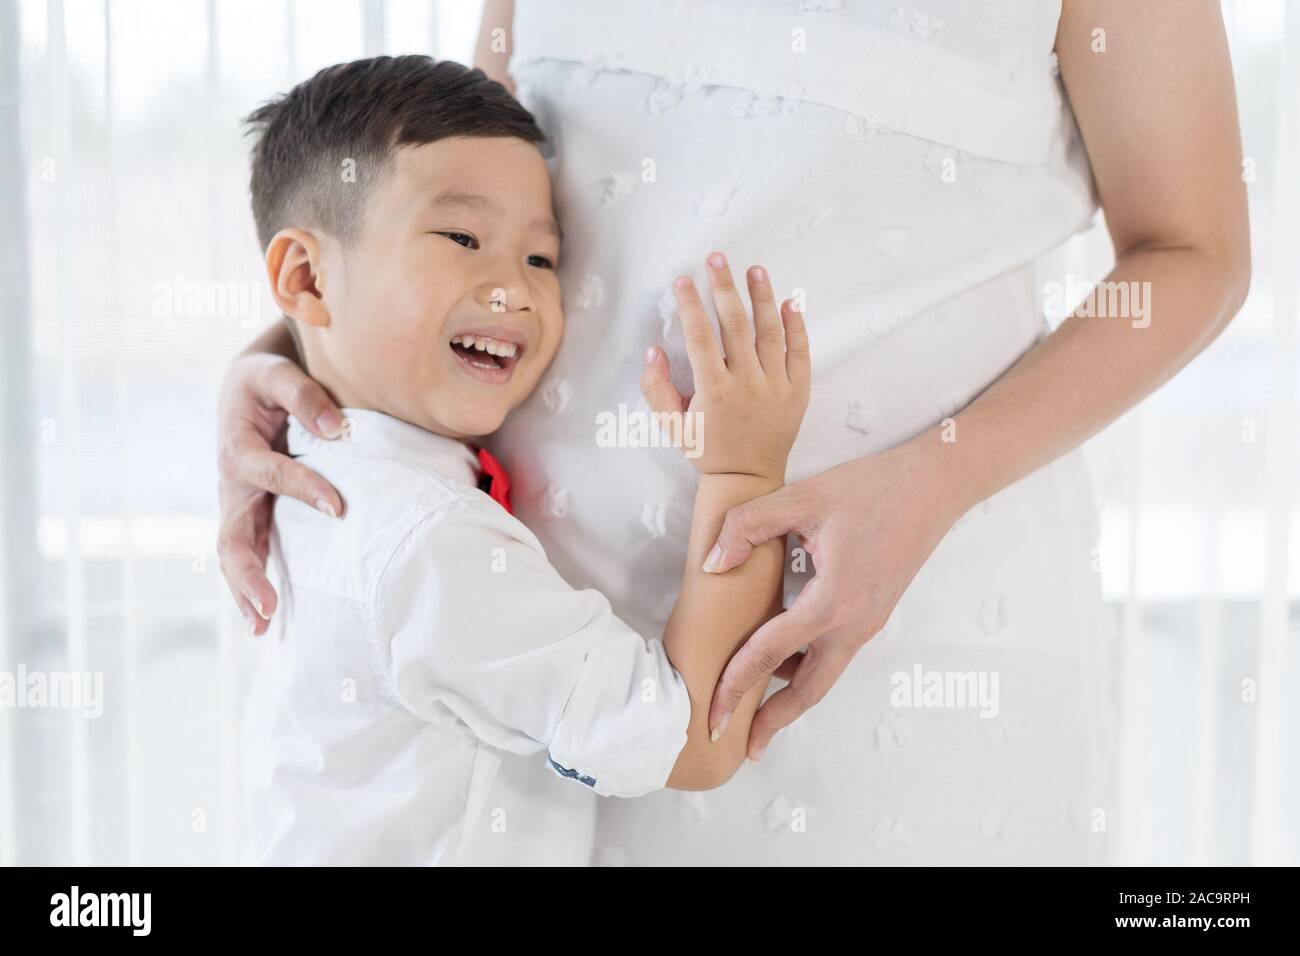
(749, 402)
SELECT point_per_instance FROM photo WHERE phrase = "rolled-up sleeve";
(479, 624)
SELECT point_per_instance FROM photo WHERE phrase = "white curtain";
(129, 277)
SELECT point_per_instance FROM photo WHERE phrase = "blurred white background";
(129, 276)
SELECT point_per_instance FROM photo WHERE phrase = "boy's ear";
(293, 268)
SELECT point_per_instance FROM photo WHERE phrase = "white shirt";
(419, 638)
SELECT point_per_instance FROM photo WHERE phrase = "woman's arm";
(496, 41)
(1158, 115)
(276, 340)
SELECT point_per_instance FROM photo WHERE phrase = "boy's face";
(458, 239)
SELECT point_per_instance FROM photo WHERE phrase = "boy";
(404, 209)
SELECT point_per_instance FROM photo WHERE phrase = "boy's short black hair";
(322, 146)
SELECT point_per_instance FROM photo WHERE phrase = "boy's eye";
(462, 239)
(541, 262)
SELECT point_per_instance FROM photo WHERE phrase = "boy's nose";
(506, 297)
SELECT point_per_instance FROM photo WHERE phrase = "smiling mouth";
(491, 359)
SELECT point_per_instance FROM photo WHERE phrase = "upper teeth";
(485, 344)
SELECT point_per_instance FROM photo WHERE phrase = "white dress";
(901, 166)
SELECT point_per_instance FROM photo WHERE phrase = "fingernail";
(330, 423)
(713, 560)
(261, 613)
(758, 274)
(722, 725)
(757, 754)
(718, 260)
(682, 282)
(324, 507)
(650, 354)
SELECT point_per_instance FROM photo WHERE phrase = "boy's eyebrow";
(456, 199)
(549, 225)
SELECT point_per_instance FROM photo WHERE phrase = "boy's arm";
(714, 616)
(748, 404)
(477, 620)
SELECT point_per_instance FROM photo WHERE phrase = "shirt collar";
(369, 434)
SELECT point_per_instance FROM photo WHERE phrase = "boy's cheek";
(555, 334)
(544, 359)
(394, 354)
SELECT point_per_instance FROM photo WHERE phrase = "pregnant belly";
(915, 283)
(871, 228)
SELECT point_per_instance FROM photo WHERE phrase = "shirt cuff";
(625, 722)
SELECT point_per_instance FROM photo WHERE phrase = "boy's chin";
(477, 423)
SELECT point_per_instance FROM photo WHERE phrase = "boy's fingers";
(270, 471)
(290, 388)
(701, 344)
(769, 337)
(660, 392)
(798, 362)
(657, 385)
(737, 338)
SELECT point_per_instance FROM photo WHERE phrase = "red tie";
(494, 479)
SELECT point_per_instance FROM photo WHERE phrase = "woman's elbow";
(1232, 256)
(1224, 269)
(1237, 280)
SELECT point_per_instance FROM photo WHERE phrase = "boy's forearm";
(714, 615)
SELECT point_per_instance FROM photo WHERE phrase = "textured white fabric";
(420, 637)
(913, 245)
